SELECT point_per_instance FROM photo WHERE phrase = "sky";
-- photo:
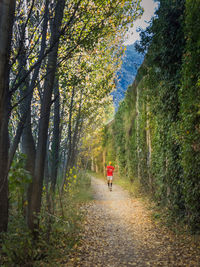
(149, 9)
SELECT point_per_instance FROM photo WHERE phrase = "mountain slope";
(131, 62)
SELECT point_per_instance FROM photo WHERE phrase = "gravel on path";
(119, 232)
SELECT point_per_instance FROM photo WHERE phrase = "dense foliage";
(58, 62)
(156, 129)
(189, 95)
(58, 233)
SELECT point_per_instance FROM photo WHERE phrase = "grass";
(82, 192)
(96, 175)
(159, 213)
(58, 233)
(133, 188)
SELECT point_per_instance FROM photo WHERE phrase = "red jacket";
(110, 170)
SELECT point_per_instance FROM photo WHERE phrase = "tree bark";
(149, 148)
(7, 9)
(34, 204)
(26, 103)
(75, 139)
(56, 136)
(137, 133)
(28, 145)
(104, 162)
(69, 140)
(69, 147)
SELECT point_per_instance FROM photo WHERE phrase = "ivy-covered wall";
(189, 97)
(156, 131)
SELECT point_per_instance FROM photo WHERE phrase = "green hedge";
(156, 131)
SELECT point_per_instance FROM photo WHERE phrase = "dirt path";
(119, 232)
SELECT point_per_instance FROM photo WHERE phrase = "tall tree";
(7, 9)
(56, 136)
(35, 60)
(37, 183)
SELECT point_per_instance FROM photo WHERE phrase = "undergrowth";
(160, 214)
(134, 188)
(58, 232)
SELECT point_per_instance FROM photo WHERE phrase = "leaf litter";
(118, 231)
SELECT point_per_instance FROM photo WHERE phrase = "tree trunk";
(69, 140)
(69, 147)
(76, 134)
(104, 162)
(28, 145)
(37, 185)
(149, 149)
(96, 167)
(92, 164)
(137, 134)
(56, 136)
(7, 9)
(26, 105)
